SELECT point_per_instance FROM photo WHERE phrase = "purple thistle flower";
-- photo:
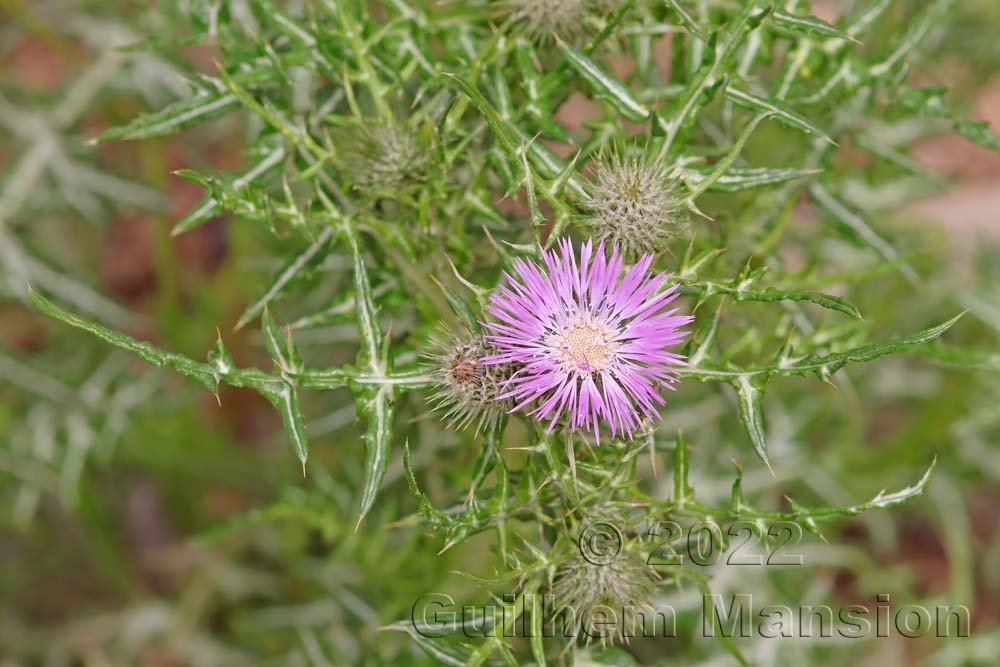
(586, 339)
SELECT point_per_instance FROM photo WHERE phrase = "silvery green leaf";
(491, 115)
(286, 399)
(809, 25)
(780, 113)
(605, 85)
(196, 370)
(736, 179)
(854, 225)
(174, 118)
(279, 391)
(373, 402)
(279, 345)
(209, 206)
(750, 392)
(738, 292)
(295, 270)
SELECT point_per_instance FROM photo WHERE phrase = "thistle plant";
(724, 228)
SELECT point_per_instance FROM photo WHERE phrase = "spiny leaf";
(711, 75)
(279, 391)
(173, 118)
(782, 115)
(208, 207)
(749, 392)
(826, 365)
(707, 289)
(823, 365)
(607, 86)
(287, 401)
(808, 517)
(196, 370)
(858, 228)
(882, 500)
(809, 25)
(279, 345)
(295, 270)
(376, 407)
(430, 513)
(736, 179)
(489, 113)
(374, 403)
(371, 355)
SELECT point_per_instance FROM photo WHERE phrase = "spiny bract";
(468, 391)
(634, 203)
(560, 18)
(603, 599)
(383, 158)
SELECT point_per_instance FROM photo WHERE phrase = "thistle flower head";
(544, 18)
(468, 390)
(604, 598)
(585, 339)
(634, 203)
(383, 158)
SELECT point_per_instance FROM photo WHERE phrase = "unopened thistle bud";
(634, 203)
(546, 18)
(383, 158)
(469, 391)
(603, 599)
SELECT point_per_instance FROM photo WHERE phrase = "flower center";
(584, 345)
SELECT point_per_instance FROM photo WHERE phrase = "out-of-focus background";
(130, 528)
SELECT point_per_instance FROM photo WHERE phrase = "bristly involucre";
(603, 599)
(468, 391)
(585, 339)
(546, 18)
(634, 204)
(383, 158)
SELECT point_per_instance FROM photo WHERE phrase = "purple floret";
(587, 340)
